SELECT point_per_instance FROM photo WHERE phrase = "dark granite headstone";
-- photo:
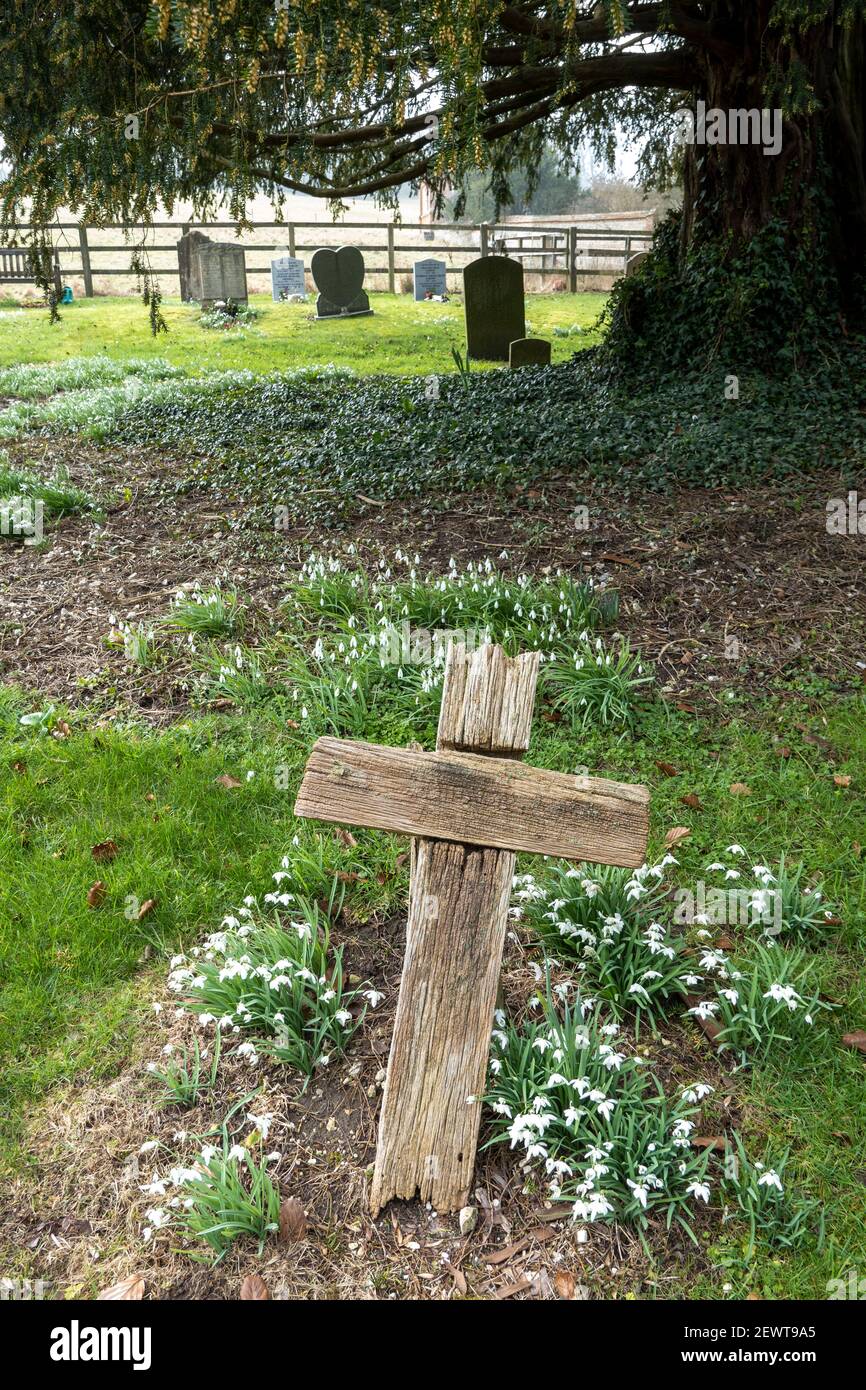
(339, 278)
(493, 304)
(529, 352)
(186, 264)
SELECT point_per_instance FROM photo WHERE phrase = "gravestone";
(287, 277)
(493, 302)
(222, 273)
(339, 278)
(469, 806)
(429, 277)
(529, 352)
(635, 262)
(187, 264)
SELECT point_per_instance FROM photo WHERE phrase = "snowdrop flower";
(699, 1190)
(697, 1092)
(149, 1146)
(770, 1179)
(261, 1122)
(735, 849)
(705, 1009)
(236, 1152)
(373, 997)
(639, 1191)
(784, 994)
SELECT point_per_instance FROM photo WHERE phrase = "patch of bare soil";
(75, 1218)
(717, 586)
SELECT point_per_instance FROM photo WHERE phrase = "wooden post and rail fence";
(568, 254)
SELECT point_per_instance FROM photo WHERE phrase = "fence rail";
(569, 253)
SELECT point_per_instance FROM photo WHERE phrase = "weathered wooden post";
(85, 261)
(472, 804)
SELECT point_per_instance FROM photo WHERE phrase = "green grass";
(402, 337)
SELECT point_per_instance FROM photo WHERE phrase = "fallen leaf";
(104, 852)
(711, 1141)
(292, 724)
(693, 802)
(128, 1289)
(668, 769)
(564, 1284)
(20, 768)
(856, 848)
(740, 789)
(841, 779)
(228, 782)
(725, 943)
(458, 1276)
(293, 1221)
(96, 894)
(346, 838)
(146, 909)
(347, 878)
(401, 859)
(254, 1289)
(856, 1039)
(509, 1290)
(783, 752)
(674, 836)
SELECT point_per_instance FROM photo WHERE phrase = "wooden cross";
(470, 806)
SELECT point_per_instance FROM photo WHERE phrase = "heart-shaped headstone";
(338, 274)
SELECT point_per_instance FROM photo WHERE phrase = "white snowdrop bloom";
(715, 868)
(157, 1217)
(343, 1017)
(157, 1008)
(373, 997)
(697, 1092)
(149, 1147)
(541, 1045)
(731, 995)
(638, 990)
(208, 1153)
(496, 1066)
(638, 1191)
(262, 1123)
(236, 1152)
(699, 1190)
(784, 994)
(501, 1107)
(571, 1116)
(770, 1179)
(556, 1080)
(156, 1188)
(732, 873)
(735, 849)
(705, 1009)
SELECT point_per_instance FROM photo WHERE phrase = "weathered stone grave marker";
(222, 271)
(634, 263)
(339, 278)
(429, 277)
(471, 805)
(493, 304)
(287, 277)
(529, 352)
(187, 264)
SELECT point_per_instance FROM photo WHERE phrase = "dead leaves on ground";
(254, 1289)
(676, 835)
(230, 783)
(127, 1290)
(293, 1221)
(104, 852)
(857, 1039)
(96, 894)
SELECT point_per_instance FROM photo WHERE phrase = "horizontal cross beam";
(475, 799)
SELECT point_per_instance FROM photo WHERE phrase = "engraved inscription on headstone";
(429, 277)
(287, 277)
(222, 271)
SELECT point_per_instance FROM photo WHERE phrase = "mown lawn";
(402, 337)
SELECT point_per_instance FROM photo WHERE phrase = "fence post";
(85, 261)
(483, 229)
(291, 227)
(391, 287)
(572, 260)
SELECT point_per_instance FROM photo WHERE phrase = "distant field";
(402, 337)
